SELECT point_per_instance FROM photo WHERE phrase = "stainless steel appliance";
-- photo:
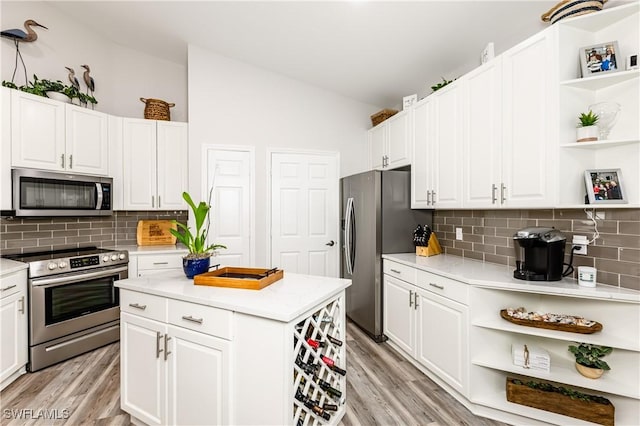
(539, 254)
(377, 219)
(74, 306)
(42, 193)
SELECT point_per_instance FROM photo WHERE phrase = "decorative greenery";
(41, 87)
(588, 119)
(441, 85)
(589, 355)
(571, 393)
(196, 244)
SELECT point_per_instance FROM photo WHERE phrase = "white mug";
(586, 276)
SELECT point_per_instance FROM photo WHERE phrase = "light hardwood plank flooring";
(382, 389)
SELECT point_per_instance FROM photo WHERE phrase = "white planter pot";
(58, 97)
(587, 134)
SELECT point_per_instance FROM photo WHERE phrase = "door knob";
(330, 243)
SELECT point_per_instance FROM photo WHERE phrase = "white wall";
(122, 74)
(233, 103)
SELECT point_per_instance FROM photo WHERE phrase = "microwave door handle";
(99, 196)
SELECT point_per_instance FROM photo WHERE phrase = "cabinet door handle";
(21, 310)
(137, 306)
(433, 198)
(153, 201)
(62, 161)
(159, 204)
(158, 350)
(494, 188)
(71, 161)
(9, 288)
(428, 196)
(166, 346)
(439, 287)
(192, 319)
(503, 189)
(415, 300)
(396, 271)
(410, 298)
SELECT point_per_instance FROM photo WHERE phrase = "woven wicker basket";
(156, 109)
(380, 116)
(571, 8)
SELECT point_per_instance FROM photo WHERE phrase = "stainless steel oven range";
(74, 306)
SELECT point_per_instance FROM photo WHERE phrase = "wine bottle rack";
(325, 322)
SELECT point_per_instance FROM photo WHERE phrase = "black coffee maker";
(539, 254)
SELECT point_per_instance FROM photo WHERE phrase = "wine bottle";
(326, 386)
(330, 407)
(306, 367)
(338, 370)
(335, 341)
(316, 343)
(312, 405)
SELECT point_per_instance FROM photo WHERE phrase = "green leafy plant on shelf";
(196, 243)
(571, 393)
(590, 355)
(40, 87)
(439, 86)
(588, 119)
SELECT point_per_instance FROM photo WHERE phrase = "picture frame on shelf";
(604, 186)
(407, 101)
(600, 58)
(487, 54)
(632, 62)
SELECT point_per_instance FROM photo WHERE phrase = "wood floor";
(382, 389)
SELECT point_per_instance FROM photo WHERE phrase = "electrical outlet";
(580, 243)
(459, 234)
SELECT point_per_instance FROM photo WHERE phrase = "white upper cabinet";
(5, 149)
(530, 104)
(155, 164)
(390, 142)
(421, 170)
(51, 135)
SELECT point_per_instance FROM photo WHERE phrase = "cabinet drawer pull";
(160, 263)
(192, 319)
(137, 306)
(439, 287)
(158, 350)
(166, 346)
(396, 271)
(9, 288)
(410, 298)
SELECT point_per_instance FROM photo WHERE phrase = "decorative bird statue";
(17, 35)
(73, 79)
(91, 85)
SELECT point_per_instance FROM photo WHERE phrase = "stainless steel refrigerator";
(376, 219)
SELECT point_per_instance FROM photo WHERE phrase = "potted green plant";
(588, 359)
(439, 86)
(587, 130)
(53, 90)
(199, 257)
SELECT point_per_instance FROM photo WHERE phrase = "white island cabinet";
(193, 354)
(443, 314)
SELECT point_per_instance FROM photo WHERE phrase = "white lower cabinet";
(163, 366)
(423, 321)
(144, 264)
(13, 326)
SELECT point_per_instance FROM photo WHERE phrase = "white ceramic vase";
(587, 134)
(57, 96)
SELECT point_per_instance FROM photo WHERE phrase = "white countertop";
(136, 250)
(8, 266)
(283, 300)
(483, 274)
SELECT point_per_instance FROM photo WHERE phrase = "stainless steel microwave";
(42, 193)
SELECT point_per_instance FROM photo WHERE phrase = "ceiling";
(372, 51)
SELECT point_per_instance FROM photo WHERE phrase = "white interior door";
(304, 213)
(228, 172)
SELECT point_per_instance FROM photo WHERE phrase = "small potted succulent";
(588, 359)
(587, 130)
(199, 257)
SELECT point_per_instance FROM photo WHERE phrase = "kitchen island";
(193, 354)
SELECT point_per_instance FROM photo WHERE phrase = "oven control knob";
(114, 257)
(121, 256)
(105, 258)
(62, 265)
(52, 266)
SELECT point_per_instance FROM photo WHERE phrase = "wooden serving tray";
(155, 232)
(244, 278)
(552, 325)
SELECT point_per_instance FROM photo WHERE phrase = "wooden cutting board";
(155, 232)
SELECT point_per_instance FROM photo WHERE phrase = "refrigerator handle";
(347, 235)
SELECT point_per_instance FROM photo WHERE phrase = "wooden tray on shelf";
(243, 278)
(582, 329)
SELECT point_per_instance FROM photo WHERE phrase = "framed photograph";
(604, 186)
(600, 58)
(407, 101)
(632, 62)
(487, 54)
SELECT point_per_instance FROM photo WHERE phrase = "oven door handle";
(42, 282)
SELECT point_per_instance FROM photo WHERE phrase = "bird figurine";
(91, 84)
(73, 79)
(17, 35)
